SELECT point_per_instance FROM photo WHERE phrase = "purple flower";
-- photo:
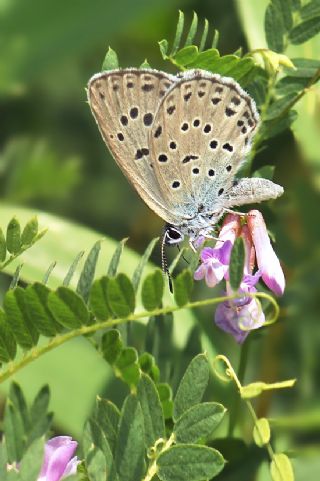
(268, 262)
(239, 316)
(215, 261)
(58, 461)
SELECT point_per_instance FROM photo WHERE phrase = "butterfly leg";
(230, 211)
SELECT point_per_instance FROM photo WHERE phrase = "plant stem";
(234, 412)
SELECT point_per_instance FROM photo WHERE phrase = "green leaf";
(186, 55)
(120, 295)
(18, 318)
(152, 410)
(110, 61)
(111, 345)
(107, 416)
(192, 385)
(215, 39)
(281, 468)
(152, 290)
(36, 302)
(205, 59)
(204, 35)
(165, 395)
(183, 285)
(3, 461)
(13, 239)
(72, 269)
(236, 264)
(8, 346)
(127, 367)
(15, 277)
(113, 266)
(305, 67)
(129, 455)
(39, 419)
(3, 247)
(98, 456)
(14, 432)
(148, 366)
(261, 432)
(310, 10)
(275, 127)
(142, 263)
(285, 8)
(198, 422)
(274, 27)
(178, 35)
(279, 107)
(266, 172)
(29, 232)
(289, 85)
(68, 308)
(48, 273)
(189, 462)
(305, 30)
(193, 30)
(145, 64)
(32, 460)
(163, 45)
(88, 271)
(98, 299)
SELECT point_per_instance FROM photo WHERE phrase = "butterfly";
(180, 140)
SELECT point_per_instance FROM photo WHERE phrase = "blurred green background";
(53, 159)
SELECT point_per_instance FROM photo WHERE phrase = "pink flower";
(215, 261)
(268, 262)
(58, 461)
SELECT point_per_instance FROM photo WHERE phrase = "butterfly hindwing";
(124, 104)
(201, 134)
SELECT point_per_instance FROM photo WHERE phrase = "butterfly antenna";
(186, 260)
(164, 262)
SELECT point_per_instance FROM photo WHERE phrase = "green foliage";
(183, 285)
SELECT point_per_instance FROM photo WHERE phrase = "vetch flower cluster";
(244, 313)
(59, 461)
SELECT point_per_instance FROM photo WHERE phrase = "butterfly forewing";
(200, 136)
(124, 104)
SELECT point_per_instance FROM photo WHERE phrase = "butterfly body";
(180, 141)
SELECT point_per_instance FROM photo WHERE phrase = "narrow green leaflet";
(107, 416)
(14, 432)
(179, 31)
(72, 269)
(113, 266)
(261, 432)
(198, 422)
(280, 106)
(285, 8)
(18, 318)
(110, 61)
(98, 456)
(148, 365)
(151, 409)
(152, 290)
(98, 299)
(32, 460)
(165, 395)
(130, 449)
(111, 345)
(236, 265)
(15, 277)
(305, 30)
(310, 10)
(88, 271)
(274, 27)
(142, 263)
(120, 295)
(29, 232)
(183, 285)
(281, 468)
(36, 303)
(204, 35)
(3, 461)
(193, 30)
(13, 238)
(3, 247)
(48, 273)
(192, 386)
(8, 346)
(189, 462)
(68, 308)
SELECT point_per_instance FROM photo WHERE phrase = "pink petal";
(268, 262)
(199, 273)
(58, 452)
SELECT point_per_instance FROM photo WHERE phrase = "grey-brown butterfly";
(180, 141)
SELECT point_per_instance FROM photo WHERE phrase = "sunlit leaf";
(305, 30)
(110, 61)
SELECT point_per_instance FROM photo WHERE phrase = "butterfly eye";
(173, 236)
